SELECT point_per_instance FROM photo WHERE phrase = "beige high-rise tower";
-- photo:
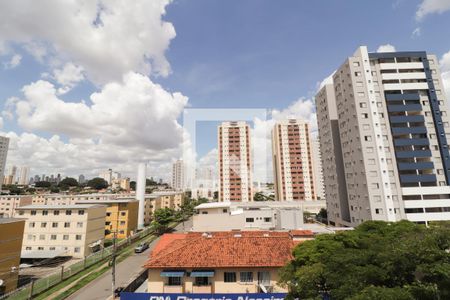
(292, 161)
(178, 175)
(4, 144)
(384, 131)
(235, 164)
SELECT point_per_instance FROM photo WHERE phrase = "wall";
(10, 247)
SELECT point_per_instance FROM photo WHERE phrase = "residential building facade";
(9, 203)
(121, 216)
(293, 161)
(10, 247)
(201, 262)
(383, 129)
(318, 169)
(62, 230)
(257, 215)
(235, 163)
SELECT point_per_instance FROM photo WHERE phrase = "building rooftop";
(73, 206)
(255, 204)
(222, 249)
(107, 201)
(10, 220)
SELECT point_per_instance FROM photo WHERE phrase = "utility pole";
(113, 263)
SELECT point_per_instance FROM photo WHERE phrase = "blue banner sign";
(155, 296)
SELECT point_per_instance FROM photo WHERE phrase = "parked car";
(117, 291)
(141, 247)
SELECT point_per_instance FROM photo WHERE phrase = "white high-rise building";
(4, 144)
(317, 168)
(109, 176)
(384, 131)
(235, 164)
(178, 175)
(292, 161)
(23, 177)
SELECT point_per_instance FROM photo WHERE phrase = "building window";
(42, 237)
(229, 276)
(21, 213)
(56, 212)
(31, 224)
(55, 224)
(28, 248)
(122, 222)
(76, 249)
(33, 212)
(66, 224)
(246, 276)
(45, 212)
(53, 237)
(108, 214)
(123, 214)
(80, 224)
(41, 248)
(30, 237)
(81, 212)
(68, 212)
(43, 224)
(174, 281)
(52, 248)
(249, 220)
(199, 281)
(267, 219)
(66, 237)
(78, 237)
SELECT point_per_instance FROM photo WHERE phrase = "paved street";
(128, 269)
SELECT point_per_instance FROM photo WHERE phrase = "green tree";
(162, 218)
(133, 185)
(98, 183)
(68, 181)
(42, 184)
(377, 260)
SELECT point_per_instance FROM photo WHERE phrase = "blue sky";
(226, 54)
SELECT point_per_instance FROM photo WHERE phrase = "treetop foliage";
(377, 260)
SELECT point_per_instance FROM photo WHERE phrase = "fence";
(40, 285)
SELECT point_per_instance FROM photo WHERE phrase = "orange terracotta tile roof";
(165, 240)
(223, 249)
(299, 232)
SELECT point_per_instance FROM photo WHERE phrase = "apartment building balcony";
(416, 153)
(409, 142)
(418, 178)
(416, 166)
(404, 119)
(398, 97)
(406, 107)
(408, 130)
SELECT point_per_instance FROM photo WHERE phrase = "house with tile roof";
(220, 262)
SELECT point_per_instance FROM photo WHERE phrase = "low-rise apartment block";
(219, 262)
(11, 235)
(121, 216)
(62, 230)
(9, 203)
(264, 215)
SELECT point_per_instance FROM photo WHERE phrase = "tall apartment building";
(4, 144)
(62, 230)
(383, 128)
(109, 175)
(292, 161)
(318, 169)
(178, 175)
(23, 178)
(235, 164)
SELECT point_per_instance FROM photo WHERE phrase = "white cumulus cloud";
(445, 73)
(13, 62)
(386, 48)
(106, 38)
(134, 112)
(428, 7)
(68, 77)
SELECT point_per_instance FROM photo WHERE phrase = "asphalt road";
(126, 271)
